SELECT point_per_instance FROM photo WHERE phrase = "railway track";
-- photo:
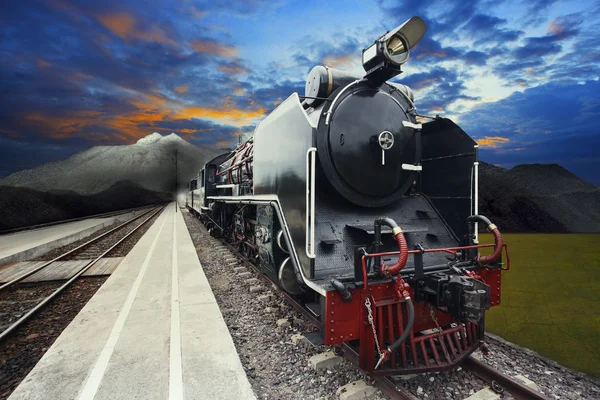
(498, 381)
(94, 250)
(64, 221)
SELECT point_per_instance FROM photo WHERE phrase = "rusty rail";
(512, 386)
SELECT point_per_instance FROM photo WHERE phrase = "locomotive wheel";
(287, 277)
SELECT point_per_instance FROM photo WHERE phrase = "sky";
(521, 77)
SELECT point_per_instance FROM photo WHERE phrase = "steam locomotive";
(362, 213)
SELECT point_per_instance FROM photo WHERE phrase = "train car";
(365, 214)
(205, 184)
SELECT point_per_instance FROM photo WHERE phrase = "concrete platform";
(26, 245)
(152, 331)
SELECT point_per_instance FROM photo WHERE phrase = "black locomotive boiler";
(367, 216)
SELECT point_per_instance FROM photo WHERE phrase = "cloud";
(213, 47)
(182, 89)
(233, 68)
(492, 142)
(43, 64)
(128, 28)
(568, 111)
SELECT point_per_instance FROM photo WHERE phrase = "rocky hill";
(538, 198)
(150, 163)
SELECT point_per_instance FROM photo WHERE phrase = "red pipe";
(445, 250)
(364, 270)
(498, 245)
(396, 268)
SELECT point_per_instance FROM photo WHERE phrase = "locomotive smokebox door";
(365, 143)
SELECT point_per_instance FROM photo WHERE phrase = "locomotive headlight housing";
(382, 60)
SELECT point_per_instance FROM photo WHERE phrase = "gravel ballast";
(278, 369)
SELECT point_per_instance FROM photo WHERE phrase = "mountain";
(149, 163)
(538, 198)
(25, 207)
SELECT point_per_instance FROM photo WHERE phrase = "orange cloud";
(126, 27)
(223, 143)
(149, 111)
(62, 127)
(438, 108)
(43, 64)
(519, 149)
(182, 89)
(555, 29)
(152, 109)
(213, 47)
(425, 82)
(492, 142)
(120, 24)
(439, 54)
(230, 115)
(239, 92)
(233, 69)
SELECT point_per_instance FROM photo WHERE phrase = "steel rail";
(491, 376)
(49, 298)
(39, 268)
(66, 221)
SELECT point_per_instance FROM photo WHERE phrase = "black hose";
(387, 221)
(479, 218)
(342, 290)
(411, 320)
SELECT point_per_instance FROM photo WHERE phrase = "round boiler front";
(365, 144)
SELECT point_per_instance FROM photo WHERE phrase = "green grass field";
(551, 297)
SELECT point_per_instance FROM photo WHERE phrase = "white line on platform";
(95, 378)
(175, 370)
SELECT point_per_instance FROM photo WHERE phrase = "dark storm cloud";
(552, 123)
(444, 87)
(543, 56)
(110, 73)
(475, 58)
(270, 96)
(430, 50)
(490, 29)
(455, 20)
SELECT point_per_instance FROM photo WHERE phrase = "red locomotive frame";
(449, 346)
